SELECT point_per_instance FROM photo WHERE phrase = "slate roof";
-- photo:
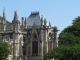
(34, 18)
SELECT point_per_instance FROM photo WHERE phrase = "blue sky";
(59, 12)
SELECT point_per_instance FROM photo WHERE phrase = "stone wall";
(34, 58)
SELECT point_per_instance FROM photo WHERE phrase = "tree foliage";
(69, 43)
(71, 34)
(4, 50)
(65, 53)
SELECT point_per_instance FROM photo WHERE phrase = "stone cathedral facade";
(29, 40)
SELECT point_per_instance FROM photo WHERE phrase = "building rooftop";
(34, 18)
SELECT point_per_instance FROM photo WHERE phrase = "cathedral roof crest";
(35, 13)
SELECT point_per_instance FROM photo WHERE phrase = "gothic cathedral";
(29, 40)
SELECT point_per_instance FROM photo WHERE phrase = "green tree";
(71, 34)
(69, 43)
(65, 53)
(77, 19)
(4, 50)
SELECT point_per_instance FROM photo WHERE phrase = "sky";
(59, 12)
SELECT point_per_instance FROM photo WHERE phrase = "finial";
(45, 20)
(49, 23)
(25, 20)
(4, 16)
(56, 29)
(22, 21)
(15, 15)
(22, 18)
(41, 16)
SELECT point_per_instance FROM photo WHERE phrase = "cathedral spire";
(4, 16)
(15, 15)
(4, 20)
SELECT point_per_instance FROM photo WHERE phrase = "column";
(41, 43)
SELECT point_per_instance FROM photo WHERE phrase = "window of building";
(35, 48)
(35, 45)
(10, 37)
(24, 52)
(23, 39)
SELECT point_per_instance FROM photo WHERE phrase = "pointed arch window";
(35, 45)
